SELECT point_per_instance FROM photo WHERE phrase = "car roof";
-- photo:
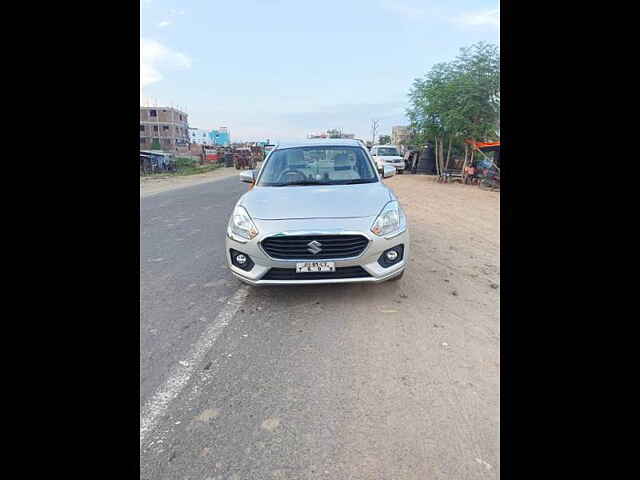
(387, 145)
(334, 142)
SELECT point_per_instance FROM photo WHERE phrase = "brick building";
(400, 135)
(169, 126)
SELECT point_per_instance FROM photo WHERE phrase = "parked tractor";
(257, 154)
(243, 159)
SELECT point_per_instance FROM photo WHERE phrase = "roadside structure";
(199, 136)
(164, 128)
(331, 133)
(221, 137)
(400, 136)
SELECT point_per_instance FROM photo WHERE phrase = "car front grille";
(290, 247)
(290, 274)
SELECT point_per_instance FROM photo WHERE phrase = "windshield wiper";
(288, 184)
(303, 182)
(334, 182)
(360, 180)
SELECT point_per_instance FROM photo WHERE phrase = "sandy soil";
(449, 326)
(153, 185)
(460, 222)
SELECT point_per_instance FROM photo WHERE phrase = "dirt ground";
(460, 222)
(451, 298)
(153, 185)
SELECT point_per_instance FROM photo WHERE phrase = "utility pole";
(374, 129)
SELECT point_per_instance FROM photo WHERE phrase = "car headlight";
(390, 220)
(241, 224)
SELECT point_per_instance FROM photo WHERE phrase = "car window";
(330, 165)
(387, 152)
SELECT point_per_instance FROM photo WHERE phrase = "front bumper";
(398, 166)
(368, 260)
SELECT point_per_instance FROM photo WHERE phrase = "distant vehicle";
(243, 158)
(388, 155)
(317, 212)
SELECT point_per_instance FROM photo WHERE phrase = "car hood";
(391, 157)
(309, 201)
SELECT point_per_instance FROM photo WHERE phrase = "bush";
(185, 162)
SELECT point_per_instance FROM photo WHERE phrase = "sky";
(280, 69)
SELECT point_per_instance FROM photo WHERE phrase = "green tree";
(457, 100)
(384, 139)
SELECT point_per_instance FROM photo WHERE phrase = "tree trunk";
(436, 157)
(441, 145)
(464, 164)
(473, 154)
(448, 153)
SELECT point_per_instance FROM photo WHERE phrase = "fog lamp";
(241, 260)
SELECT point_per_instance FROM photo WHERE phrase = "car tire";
(397, 277)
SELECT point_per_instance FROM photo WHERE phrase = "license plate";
(304, 267)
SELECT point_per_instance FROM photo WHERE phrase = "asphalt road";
(332, 382)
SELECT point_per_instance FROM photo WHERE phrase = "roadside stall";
(155, 161)
(483, 169)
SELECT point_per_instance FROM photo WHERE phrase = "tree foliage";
(384, 139)
(459, 99)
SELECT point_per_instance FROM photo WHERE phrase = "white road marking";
(157, 406)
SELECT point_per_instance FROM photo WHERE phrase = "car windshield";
(318, 165)
(387, 152)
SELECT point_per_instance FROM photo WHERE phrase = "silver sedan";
(317, 212)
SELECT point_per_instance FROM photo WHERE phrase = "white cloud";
(402, 8)
(483, 18)
(164, 23)
(155, 58)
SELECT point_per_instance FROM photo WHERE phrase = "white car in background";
(387, 155)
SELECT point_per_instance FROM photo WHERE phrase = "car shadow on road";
(338, 294)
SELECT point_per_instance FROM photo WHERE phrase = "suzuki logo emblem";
(314, 247)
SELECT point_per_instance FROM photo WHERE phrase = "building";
(164, 127)
(199, 136)
(400, 135)
(331, 133)
(220, 137)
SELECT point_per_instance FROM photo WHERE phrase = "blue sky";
(279, 69)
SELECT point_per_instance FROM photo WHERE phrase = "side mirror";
(248, 176)
(388, 171)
